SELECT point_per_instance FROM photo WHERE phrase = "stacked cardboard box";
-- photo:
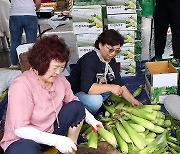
(125, 17)
(87, 25)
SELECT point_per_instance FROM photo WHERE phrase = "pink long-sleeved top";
(29, 104)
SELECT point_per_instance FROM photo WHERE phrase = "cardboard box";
(120, 2)
(87, 19)
(128, 68)
(129, 37)
(161, 80)
(84, 40)
(121, 9)
(84, 50)
(122, 21)
(89, 2)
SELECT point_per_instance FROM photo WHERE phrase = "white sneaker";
(13, 66)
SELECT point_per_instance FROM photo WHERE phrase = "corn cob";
(138, 91)
(122, 144)
(155, 107)
(151, 135)
(149, 140)
(143, 122)
(157, 129)
(93, 140)
(107, 136)
(138, 127)
(140, 113)
(110, 109)
(135, 137)
(122, 132)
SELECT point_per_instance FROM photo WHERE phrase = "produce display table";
(53, 23)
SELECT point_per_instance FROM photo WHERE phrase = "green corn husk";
(87, 131)
(122, 132)
(178, 135)
(149, 140)
(110, 109)
(140, 113)
(172, 150)
(143, 122)
(172, 139)
(135, 137)
(160, 140)
(157, 129)
(138, 127)
(174, 146)
(151, 135)
(84, 128)
(122, 144)
(167, 123)
(110, 138)
(93, 140)
(138, 91)
(155, 107)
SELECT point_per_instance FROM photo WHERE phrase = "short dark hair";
(110, 37)
(46, 49)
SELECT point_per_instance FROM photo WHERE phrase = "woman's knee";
(24, 146)
(94, 103)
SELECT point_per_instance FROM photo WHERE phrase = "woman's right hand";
(65, 144)
(116, 89)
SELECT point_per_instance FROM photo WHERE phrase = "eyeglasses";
(111, 49)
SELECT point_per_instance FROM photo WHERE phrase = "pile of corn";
(141, 129)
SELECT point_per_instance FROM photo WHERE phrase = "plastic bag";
(147, 7)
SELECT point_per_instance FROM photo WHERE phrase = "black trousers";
(167, 14)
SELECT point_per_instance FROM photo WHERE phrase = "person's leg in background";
(174, 13)
(30, 28)
(16, 30)
(161, 24)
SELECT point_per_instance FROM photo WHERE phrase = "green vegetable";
(140, 113)
(145, 123)
(138, 91)
(107, 136)
(93, 140)
(135, 137)
(122, 144)
(122, 132)
(178, 135)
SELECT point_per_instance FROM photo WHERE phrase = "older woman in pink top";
(42, 106)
